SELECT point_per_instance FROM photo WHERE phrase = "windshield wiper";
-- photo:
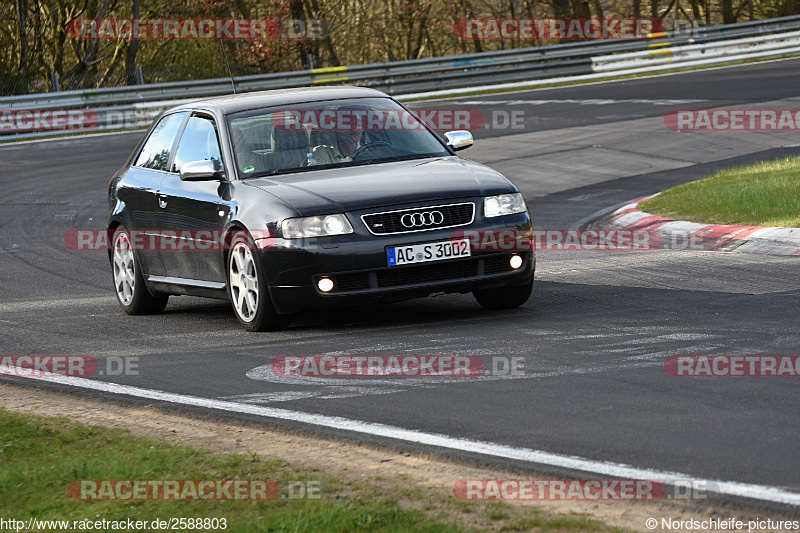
(407, 157)
(264, 174)
(278, 172)
(360, 163)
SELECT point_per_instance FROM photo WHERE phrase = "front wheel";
(248, 291)
(507, 297)
(132, 294)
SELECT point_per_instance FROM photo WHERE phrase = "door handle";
(162, 201)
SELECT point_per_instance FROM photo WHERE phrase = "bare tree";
(86, 60)
(34, 40)
(22, 33)
(726, 7)
(133, 47)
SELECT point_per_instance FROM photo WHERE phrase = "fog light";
(325, 285)
(515, 262)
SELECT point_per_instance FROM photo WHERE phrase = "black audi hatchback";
(281, 201)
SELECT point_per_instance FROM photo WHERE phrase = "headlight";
(504, 204)
(299, 228)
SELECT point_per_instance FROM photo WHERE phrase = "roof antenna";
(227, 65)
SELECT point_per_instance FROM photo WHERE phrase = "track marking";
(40, 305)
(265, 373)
(618, 470)
(527, 86)
(330, 393)
(71, 137)
(585, 101)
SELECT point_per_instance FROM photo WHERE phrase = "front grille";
(423, 273)
(420, 219)
(356, 281)
(497, 264)
(426, 273)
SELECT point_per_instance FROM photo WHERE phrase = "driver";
(346, 144)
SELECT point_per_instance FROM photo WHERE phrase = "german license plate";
(423, 253)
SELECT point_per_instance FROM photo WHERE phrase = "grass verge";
(765, 194)
(40, 456)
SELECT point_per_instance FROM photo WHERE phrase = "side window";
(198, 142)
(155, 153)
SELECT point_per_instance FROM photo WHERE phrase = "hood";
(385, 184)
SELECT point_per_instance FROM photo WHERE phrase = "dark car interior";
(261, 148)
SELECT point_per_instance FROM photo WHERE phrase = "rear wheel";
(248, 290)
(132, 294)
(507, 297)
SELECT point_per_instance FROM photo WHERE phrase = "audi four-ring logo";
(422, 218)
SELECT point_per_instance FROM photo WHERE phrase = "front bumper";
(358, 266)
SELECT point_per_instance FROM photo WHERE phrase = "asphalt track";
(593, 337)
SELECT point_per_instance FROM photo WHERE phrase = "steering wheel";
(367, 147)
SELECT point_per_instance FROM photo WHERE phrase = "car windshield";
(302, 137)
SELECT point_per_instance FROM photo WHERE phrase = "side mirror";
(200, 171)
(459, 139)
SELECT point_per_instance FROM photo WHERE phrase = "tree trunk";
(561, 8)
(86, 60)
(324, 43)
(133, 47)
(726, 6)
(789, 7)
(580, 9)
(22, 16)
(696, 9)
(598, 9)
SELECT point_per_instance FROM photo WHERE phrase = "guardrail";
(135, 106)
(708, 53)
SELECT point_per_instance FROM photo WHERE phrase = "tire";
(132, 294)
(248, 289)
(507, 297)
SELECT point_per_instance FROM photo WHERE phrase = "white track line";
(72, 137)
(531, 85)
(618, 470)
